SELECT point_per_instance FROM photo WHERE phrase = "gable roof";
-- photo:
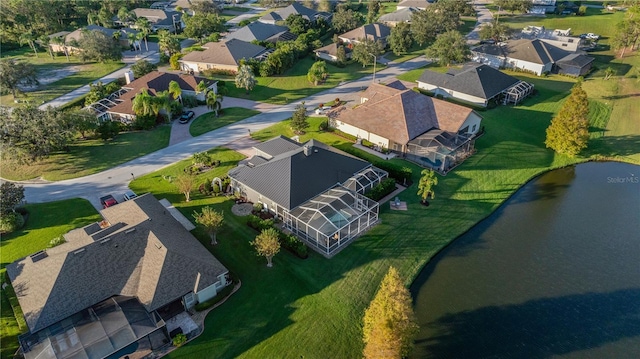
(158, 16)
(332, 49)
(535, 51)
(145, 253)
(292, 178)
(277, 146)
(77, 34)
(402, 15)
(401, 114)
(370, 32)
(474, 79)
(294, 9)
(225, 53)
(419, 4)
(261, 31)
(155, 82)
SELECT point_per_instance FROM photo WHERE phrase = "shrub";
(293, 244)
(174, 61)
(382, 189)
(259, 224)
(258, 207)
(210, 73)
(179, 340)
(324, 125)
(11, 222)
(56, 241)
(144, 122)
(244, 22)
(336, 101)
(189, 101)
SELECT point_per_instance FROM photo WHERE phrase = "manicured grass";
(236, 8)
(91, 156)
(46, 221)
(293, 85)
(598, 21)
(81, 75)
(209, 122)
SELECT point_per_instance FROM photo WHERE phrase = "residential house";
(161, 19)
(119, 106)
(537, 56)
(316, 190)
(330, 52)
(475, 83)
(222, 56)
(295, 9)
(396, 17)
(430, 132)
(260, 31)
(373, 32)
(71, 39)
(541, 7)
(187, 5)
(418, 4)
(107, 287)
(575, 65)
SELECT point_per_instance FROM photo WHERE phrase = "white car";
(129, 195)
(593, 36)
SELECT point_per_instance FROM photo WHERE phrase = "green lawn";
(598, 21)
(236, 8)
(46, 221)
(209, 122)
(72, 75)
(293, 84)
(91, 156)
(295, 308)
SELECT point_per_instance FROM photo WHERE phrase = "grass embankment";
(295, 308)
(90, 156)
(46, 221)
(209, 121)
(72, 74)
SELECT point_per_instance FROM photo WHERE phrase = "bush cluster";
(288, 241)
(210, 73)
(11, 222)
(179, 340)
(56, 241)
(382, 189)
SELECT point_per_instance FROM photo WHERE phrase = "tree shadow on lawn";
(612, 146)
(533, 329)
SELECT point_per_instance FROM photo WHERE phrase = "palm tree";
(139, 37)
(46, 41)
(144, 26)
(168, 42)
(175, 90)
(142, 104)
(426, 184)
(27, 37)
(202, 87)
(132, 40)
(162, 101)
(214, 101)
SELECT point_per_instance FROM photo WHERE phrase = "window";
(473, 129)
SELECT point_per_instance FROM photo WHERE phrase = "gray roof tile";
(225, 53)
(474, 79)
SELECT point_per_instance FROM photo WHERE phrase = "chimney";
(307, 150)
(128, 77)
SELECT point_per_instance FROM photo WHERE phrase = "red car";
(108, 201)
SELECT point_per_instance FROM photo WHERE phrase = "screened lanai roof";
(439, 141)
(365, 179)
(333, 210)
(93, 333)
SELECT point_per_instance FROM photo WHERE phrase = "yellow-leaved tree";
(390, 324)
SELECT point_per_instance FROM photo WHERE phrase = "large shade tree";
(211, 220)
(14, 74)
(568, 132)
(400, 39)
(318, 72)
(365, 51)
(494, 30)
(449, 47)
(97, 46)
(390, 324)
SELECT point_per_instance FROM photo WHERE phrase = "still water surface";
(555, 272)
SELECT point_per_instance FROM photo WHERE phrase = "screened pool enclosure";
(331, 220)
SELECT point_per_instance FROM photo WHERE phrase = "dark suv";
(186, 117)
(108, 201)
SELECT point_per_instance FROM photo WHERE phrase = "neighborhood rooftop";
(149, 255)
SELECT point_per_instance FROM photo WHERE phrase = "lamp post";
(374, 68)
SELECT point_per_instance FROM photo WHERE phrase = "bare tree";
(185, 184)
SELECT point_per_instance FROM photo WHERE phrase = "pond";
(554, 272)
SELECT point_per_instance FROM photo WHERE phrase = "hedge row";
(382, 189)
(288, 241)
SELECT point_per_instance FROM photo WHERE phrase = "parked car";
(129, 195)
(108, 201)
(593, 36)
(187, 116)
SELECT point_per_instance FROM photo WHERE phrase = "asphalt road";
(115, 180)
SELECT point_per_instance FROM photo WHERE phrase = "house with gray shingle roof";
(72, 38)
(316, 189)
(418, 4)
(474, 83)
(161, 19)
(401, 15)
(330, 52)
(259, 31)
(431, 132)
(373, 32)
(102, 290)
(222, 56)
(295, 9)
(575, 65)
(537, 56)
